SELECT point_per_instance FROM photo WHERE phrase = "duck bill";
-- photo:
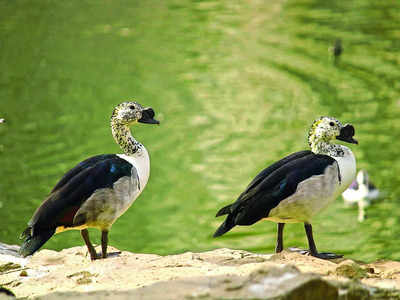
(148, 116)
(346, 134)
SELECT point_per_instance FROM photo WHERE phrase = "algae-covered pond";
(235, 84)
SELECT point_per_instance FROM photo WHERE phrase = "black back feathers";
(271, 186)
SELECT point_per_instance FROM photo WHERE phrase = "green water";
(235, 84)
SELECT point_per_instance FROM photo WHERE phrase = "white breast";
(141, 161)
(347, 169)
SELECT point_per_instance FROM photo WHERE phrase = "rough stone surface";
(217, 274)
(270, 283)
(350, 269)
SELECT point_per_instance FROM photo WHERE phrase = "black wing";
(87, 163)
(261, 176)
(266, 172)
(271, 186)
(76, 186)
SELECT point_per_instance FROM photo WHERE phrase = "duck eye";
(332, 124)
(132, 107)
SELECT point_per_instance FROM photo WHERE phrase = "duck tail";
(224, 211)
(225, 227)
(34, 241)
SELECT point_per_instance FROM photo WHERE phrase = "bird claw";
(327, 255)
(94, 256)
(321, 255)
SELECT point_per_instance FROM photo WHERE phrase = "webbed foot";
(321, 255)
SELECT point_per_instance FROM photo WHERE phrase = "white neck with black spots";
(327, 148)
(122, 135)
(343, 156)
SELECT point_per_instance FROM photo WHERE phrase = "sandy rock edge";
(216, 274)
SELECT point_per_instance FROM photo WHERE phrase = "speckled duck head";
(324, 131)
(130, 112)
(124, 115)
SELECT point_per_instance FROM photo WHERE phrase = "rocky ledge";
(217, 274)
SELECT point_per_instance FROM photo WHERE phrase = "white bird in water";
(361, 192)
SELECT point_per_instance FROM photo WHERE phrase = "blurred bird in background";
(336, 51)
(361, 192)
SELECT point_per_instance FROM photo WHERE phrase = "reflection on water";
(236, 86)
